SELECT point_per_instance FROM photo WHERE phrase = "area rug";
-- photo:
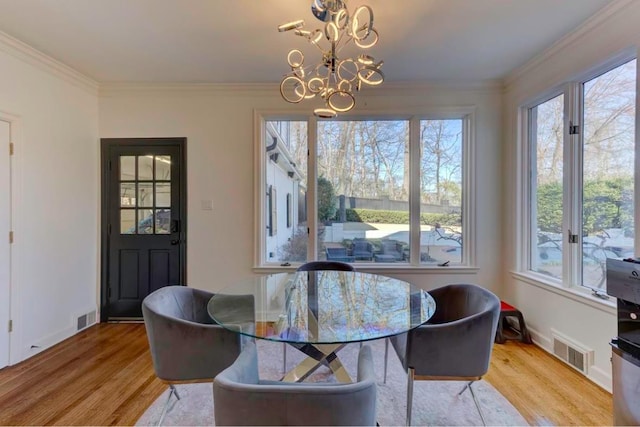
(435, 403)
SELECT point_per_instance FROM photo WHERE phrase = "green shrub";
(400, 217)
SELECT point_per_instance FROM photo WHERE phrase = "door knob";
(175, 241)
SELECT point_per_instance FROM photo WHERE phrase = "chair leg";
(386, 358)
(172, 390)
(410, 377)
(475, 400)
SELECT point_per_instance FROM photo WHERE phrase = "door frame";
(15, 307)
(106, 145)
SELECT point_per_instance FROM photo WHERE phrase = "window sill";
(578, 295)
(381, 269)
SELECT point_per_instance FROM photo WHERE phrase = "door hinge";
(108, 291)
(572, 238)
(109, 229)
(109, 164)
(11, 148)
(10, 325)
(574, 129)
(308, 231)
(11, 237)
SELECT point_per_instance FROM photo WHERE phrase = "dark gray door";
(143, 221)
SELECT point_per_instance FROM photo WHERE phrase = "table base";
(318, 354)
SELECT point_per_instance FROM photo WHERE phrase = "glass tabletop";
(321, 307)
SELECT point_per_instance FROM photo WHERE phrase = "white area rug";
(434, 402)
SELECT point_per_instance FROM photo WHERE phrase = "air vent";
(572, 353)
(85, 320)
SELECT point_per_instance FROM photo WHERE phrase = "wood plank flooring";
(104, 376)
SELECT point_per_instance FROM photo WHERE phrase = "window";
(385, 191)
(581, 182)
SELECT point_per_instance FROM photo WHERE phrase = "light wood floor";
(103, 376)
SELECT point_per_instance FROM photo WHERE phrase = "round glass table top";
(321, 307)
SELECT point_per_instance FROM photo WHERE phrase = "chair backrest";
(389, 247)
(185, 343)
(362, 245)
(326, 265)
(241, 398)
(457, 341)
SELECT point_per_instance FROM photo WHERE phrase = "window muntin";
(547, 148)
(608, 146)
(369, 168)
(591, 197)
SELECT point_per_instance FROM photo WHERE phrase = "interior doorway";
(5, 245)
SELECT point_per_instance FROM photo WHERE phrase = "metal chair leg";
(172, 390)
(386, 358)
(475, 400)
(410, 377)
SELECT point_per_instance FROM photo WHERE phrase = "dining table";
(319, 312)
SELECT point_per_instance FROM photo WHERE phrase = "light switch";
(207, 205)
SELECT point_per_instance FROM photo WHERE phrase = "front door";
(144, 222)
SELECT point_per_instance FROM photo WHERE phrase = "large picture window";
(377, 192)
(581, 181)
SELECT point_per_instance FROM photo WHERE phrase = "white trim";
(383, 269)
(28, 54)
(46, 342)
(590, 25)
(574, 293)
(16, 309)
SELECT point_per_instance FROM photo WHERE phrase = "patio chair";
(362, 250)
(338, 254)
(392, 248)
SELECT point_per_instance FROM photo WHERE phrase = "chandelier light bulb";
(332, 78)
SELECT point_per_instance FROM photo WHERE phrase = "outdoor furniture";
(362, 250)
(392, 248)
(384, 258)
(241, 398)
(186, 344)
(456, 342)
(338, 254)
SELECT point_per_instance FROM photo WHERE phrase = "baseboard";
(596, 375)
(37, 346)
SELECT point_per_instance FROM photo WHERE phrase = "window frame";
(572, 90)
(465, 113)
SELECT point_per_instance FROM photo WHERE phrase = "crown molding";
(270, 89)
(590, 25)
(28, 54)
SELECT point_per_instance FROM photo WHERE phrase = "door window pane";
(546, 135)
(285, 174)
(127, 194)
(163, 221)
(127, 221)
(363, 191)
(145, 194)
(441, 191)
(608, 170)
(145, 221)
(145, 168)
(163, 168)
(127, 168)
(163, 195)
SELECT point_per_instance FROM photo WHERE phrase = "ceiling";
(236, 41)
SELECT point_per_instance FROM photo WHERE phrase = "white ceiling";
(236, 41)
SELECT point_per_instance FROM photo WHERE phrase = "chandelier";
(333, 79)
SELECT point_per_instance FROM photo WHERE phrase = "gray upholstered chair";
(186, 345)
(241, 398)
(455, 344)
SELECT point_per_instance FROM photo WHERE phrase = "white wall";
(218, 124)
(55, 195)
(582, 319)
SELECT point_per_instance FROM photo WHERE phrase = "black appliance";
(623, 282)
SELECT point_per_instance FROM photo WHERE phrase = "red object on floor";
(505, 331)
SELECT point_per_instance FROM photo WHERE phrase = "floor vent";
(574, 354)
(86, 320)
